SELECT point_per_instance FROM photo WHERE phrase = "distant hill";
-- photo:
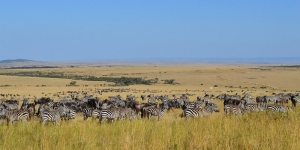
(16, 60)
(12, 63)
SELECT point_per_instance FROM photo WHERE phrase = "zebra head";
(221, 96)
(213, 106)
(164, 105)
(199, 98)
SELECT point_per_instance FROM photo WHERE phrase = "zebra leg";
(84, 117)
(100, 120)
(57, 122)
(25, 120)
(44, 122)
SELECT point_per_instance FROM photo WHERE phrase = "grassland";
(250, 131)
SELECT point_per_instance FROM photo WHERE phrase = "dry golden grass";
(263, 130)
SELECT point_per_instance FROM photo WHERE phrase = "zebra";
(66, 113)
(96, 114)
(272, 98)
(10, 106)
(87, 112)
(261, 99)
(211, 107)
(196, 104)
(14, 115)
(234, 109)
(193, 112)
(204, 99)
(111, 115)
(144, 110)
(200, 112)
(152, 111)
(295, 99)
(254, 107)
(248, 98)
(131, 114)
(50, 115)
(274, 107)
(30, 107)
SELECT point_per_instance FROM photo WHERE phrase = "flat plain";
(261, 130)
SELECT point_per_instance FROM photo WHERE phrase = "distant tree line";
(119, 81)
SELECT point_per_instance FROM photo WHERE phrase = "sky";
(159, 30)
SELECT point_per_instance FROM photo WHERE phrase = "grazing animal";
(10, 106)
(48, 115)
(157, 111)
(200, 112)
(111, 115)
(272, 98)
(274, 107)
(14, 115)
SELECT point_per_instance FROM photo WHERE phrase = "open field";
(262, 130)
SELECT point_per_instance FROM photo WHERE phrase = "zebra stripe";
(14, 115)
(96, 114)
(52, 116)
(253, 107)
(110, 114)
(66, 113)
(87, 112)
(274, 107)
(191, 112)
(234, 109)
(211, 107)
(200, 112)
(8, 106)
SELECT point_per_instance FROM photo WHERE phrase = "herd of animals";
(118, 108)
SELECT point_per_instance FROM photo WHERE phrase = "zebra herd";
(116, 108)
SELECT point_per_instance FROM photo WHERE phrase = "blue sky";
(148, 30)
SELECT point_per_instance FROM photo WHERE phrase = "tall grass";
(264, 130)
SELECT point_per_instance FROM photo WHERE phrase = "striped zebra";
(14, 115)
(153, 111)
(10, 106)
(90, 112)
(66, 113)
(200, 112)
(144, 110)
(234, 109)
(274, 107)
(50, 115)
(254, 107)
(131, 114)
(2, 115)
(196, 104)
(87, 112)
(295, 99)
(111, 115)
(30, 107)
(191, 112)
(272, 98)
(96, 114)
(211, 107)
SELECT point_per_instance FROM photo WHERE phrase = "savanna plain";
(257, 130)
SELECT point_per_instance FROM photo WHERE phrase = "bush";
(171, 81)
(72, 83)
